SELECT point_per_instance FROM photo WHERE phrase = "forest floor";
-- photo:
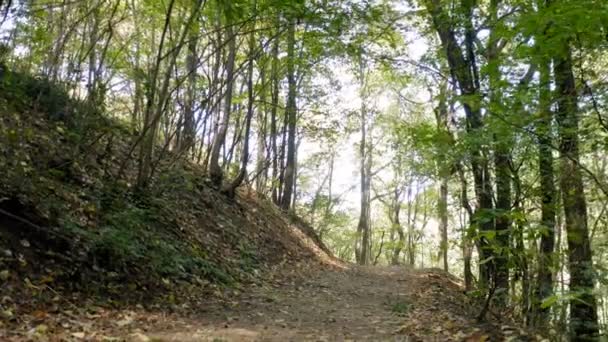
(353, 303)
(305, 303)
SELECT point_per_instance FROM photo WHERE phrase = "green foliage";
(4, 54)
(549, 301)
(130, 238)
(341, 241)
(399, 306)
(248, 259)
(38, 96)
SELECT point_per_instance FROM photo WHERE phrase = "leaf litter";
(295, 302)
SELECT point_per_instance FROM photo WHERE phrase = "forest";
(463, 136)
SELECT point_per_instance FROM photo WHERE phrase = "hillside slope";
(70, 222)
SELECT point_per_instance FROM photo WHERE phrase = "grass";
(400, 307)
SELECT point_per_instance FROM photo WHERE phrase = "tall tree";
(365, 164)
(291, 116)
(502, 159)
(546, 260)
(216, 173)
(188, 129)
(238, 180)
(154, 103)
(444, 170)
(464, 70)
(583, 306)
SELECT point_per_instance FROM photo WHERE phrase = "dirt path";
(354, 304)
(303, 304)
(359, 304)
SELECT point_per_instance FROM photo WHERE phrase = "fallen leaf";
(40, 315)
(7, 314)
(79, 335)
(42, 329)
(124, 322)
(139, 337)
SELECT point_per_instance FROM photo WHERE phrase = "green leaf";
(549, 301)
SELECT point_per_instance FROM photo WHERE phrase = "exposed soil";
(327, 305)
(309, 303)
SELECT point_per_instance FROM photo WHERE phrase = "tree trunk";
(443, 220)
(215, 90)
(238, 180)
(153, 110)
(291, 115)
(189, 130)
(546, 260)
(294, 198)
(464, 71)
(273, 117)
(503, 222)
(467, 246)
(441, 116)
(502, 158)
(329, 202)
(261, 167)
(396, 225)
(583, 308)
(411, 247)
(138, 80)
(93, 38)
(520, 254)
(363, 227)
(215, 170)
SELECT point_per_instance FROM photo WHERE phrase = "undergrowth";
(58, 155)
(133, 238)
(70, 218)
